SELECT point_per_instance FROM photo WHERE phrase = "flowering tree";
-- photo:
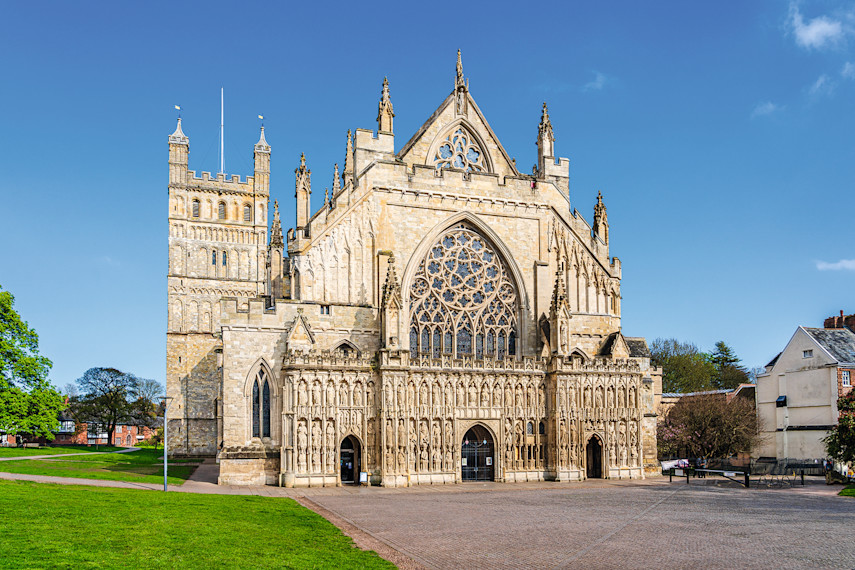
(708, 426)
(840, 443)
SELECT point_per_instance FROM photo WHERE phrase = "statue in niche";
(623, 456)
(461, 395)
(540, 397)
(371, 442)
(562, 444)
(611, 397)
(402, 463)
(402, 434)
(621, 397)
(449, 395)
(436, 394)
(302, 394)
(357, 394)
(423, 459)
(613, 456)
(632, 396)
(485, 395)
(436, 436)
(572, 392)
(423, 395)
(424, 437)
(518, 397)
(449, 436)
(316, 393)
(411, 395)
(436, 457)
(413, 445)
(330, 394)
(390, 437)
(564, 339)
(342, 394)
(509, 396)
(588, 391)
(497, 396)
(302, 445)
(573, 443)
(316, 446)
(330, 447)
(402, 402)
(473, 395)
(449, 460)
(562, 396)
(599, 397)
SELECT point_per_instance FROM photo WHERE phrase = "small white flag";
(178, 107)
(261, 117)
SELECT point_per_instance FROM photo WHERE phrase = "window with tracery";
(261, 405)
(459, 150)
(462, 300)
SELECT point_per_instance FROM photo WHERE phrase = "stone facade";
(443, 317)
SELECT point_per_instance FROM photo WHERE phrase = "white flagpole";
(222, 136)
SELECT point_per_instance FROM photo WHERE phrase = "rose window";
(459, 150)
(462, 301)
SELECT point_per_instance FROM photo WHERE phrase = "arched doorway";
(477, 457)
(349, 462)
(594, 457)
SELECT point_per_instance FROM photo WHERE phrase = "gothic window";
(261, 405)
(247, 213)
(221, 210)
(195, 208)
(462, 300)
(459, 150)
(214, 257)
(225, 258)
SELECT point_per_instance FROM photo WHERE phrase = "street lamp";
(167, 400)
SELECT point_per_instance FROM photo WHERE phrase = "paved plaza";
(602, 525)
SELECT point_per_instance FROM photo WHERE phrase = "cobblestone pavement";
(601, 525)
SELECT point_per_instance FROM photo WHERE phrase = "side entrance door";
(477, 458)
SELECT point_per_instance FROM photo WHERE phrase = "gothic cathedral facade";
(443, 317)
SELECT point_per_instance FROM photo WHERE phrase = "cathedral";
(443, 317)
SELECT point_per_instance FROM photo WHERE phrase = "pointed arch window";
(195, 208)
(460, 150)
(247, 213)
(462, 300)
(261, 405)
(221, 210)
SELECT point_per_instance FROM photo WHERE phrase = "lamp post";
(168, 400)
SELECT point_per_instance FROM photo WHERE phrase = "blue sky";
(721, 136)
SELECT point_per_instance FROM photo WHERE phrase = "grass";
(25, 451)
(143, 466)
(68, 526)
(848, 491)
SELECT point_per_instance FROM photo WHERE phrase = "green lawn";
(848, 491)
(25, 451)
(59, 526)
(143, 466)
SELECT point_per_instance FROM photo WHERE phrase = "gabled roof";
(774, 360)
(839, 343)
(637, 347)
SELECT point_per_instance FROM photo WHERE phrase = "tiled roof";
(637, 347)
(840, 343)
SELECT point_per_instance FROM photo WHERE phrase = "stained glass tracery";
(462, 300)
(460, 150)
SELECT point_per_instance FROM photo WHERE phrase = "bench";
(730, 475)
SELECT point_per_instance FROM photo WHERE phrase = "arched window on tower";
(195, 208)
(214, 257)
(247, 213)
(261, 405)
(225, 258)
(462, 292)
(221, 210)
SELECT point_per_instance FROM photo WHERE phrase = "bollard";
(747, 484)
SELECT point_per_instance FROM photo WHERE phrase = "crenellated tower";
(217, 248)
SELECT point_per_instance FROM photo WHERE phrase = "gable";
(424, 147)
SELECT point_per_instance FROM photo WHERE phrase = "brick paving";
(709, 524)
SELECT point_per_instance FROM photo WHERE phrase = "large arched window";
(462, 300)
(261, 405)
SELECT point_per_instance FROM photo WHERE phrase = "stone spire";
(336, 183)
(601, 220)
(261, 159)
(178, 137)
(391, 288)
(276, 229)
(460, 88)
(384, 111)
(261, 145)
(559, 292)
(348, 160)
(545, 141)
(303, 191)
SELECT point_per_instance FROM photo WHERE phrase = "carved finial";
(391, 288)
(545, 126)
(385, 111)
(336, 183)
(459, 82)
(302, 161)
(276, 229)
(559, 292)
(348, 160)
(601, 219)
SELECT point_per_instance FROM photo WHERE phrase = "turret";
(276, 252)
(385, 114)
(601, 220)
(179, 155)
(559, 317)
(336, 186)
(545, 143)
(461, 86)
(303, 192)
(348, 161)
(262, 166)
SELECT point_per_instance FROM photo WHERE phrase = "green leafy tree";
(729, 373)
(109, 398)
(708, 426)
(684, 367)
(29, 405)
(840, 442)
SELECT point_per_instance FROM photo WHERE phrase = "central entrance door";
(594, 456)
(349, 463)
(477, 458)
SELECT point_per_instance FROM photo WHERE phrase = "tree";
(728, 372)
(708, 426)
(684, 367)
(147, 406)
(109, 399)
(29, 405)
(840, 442)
